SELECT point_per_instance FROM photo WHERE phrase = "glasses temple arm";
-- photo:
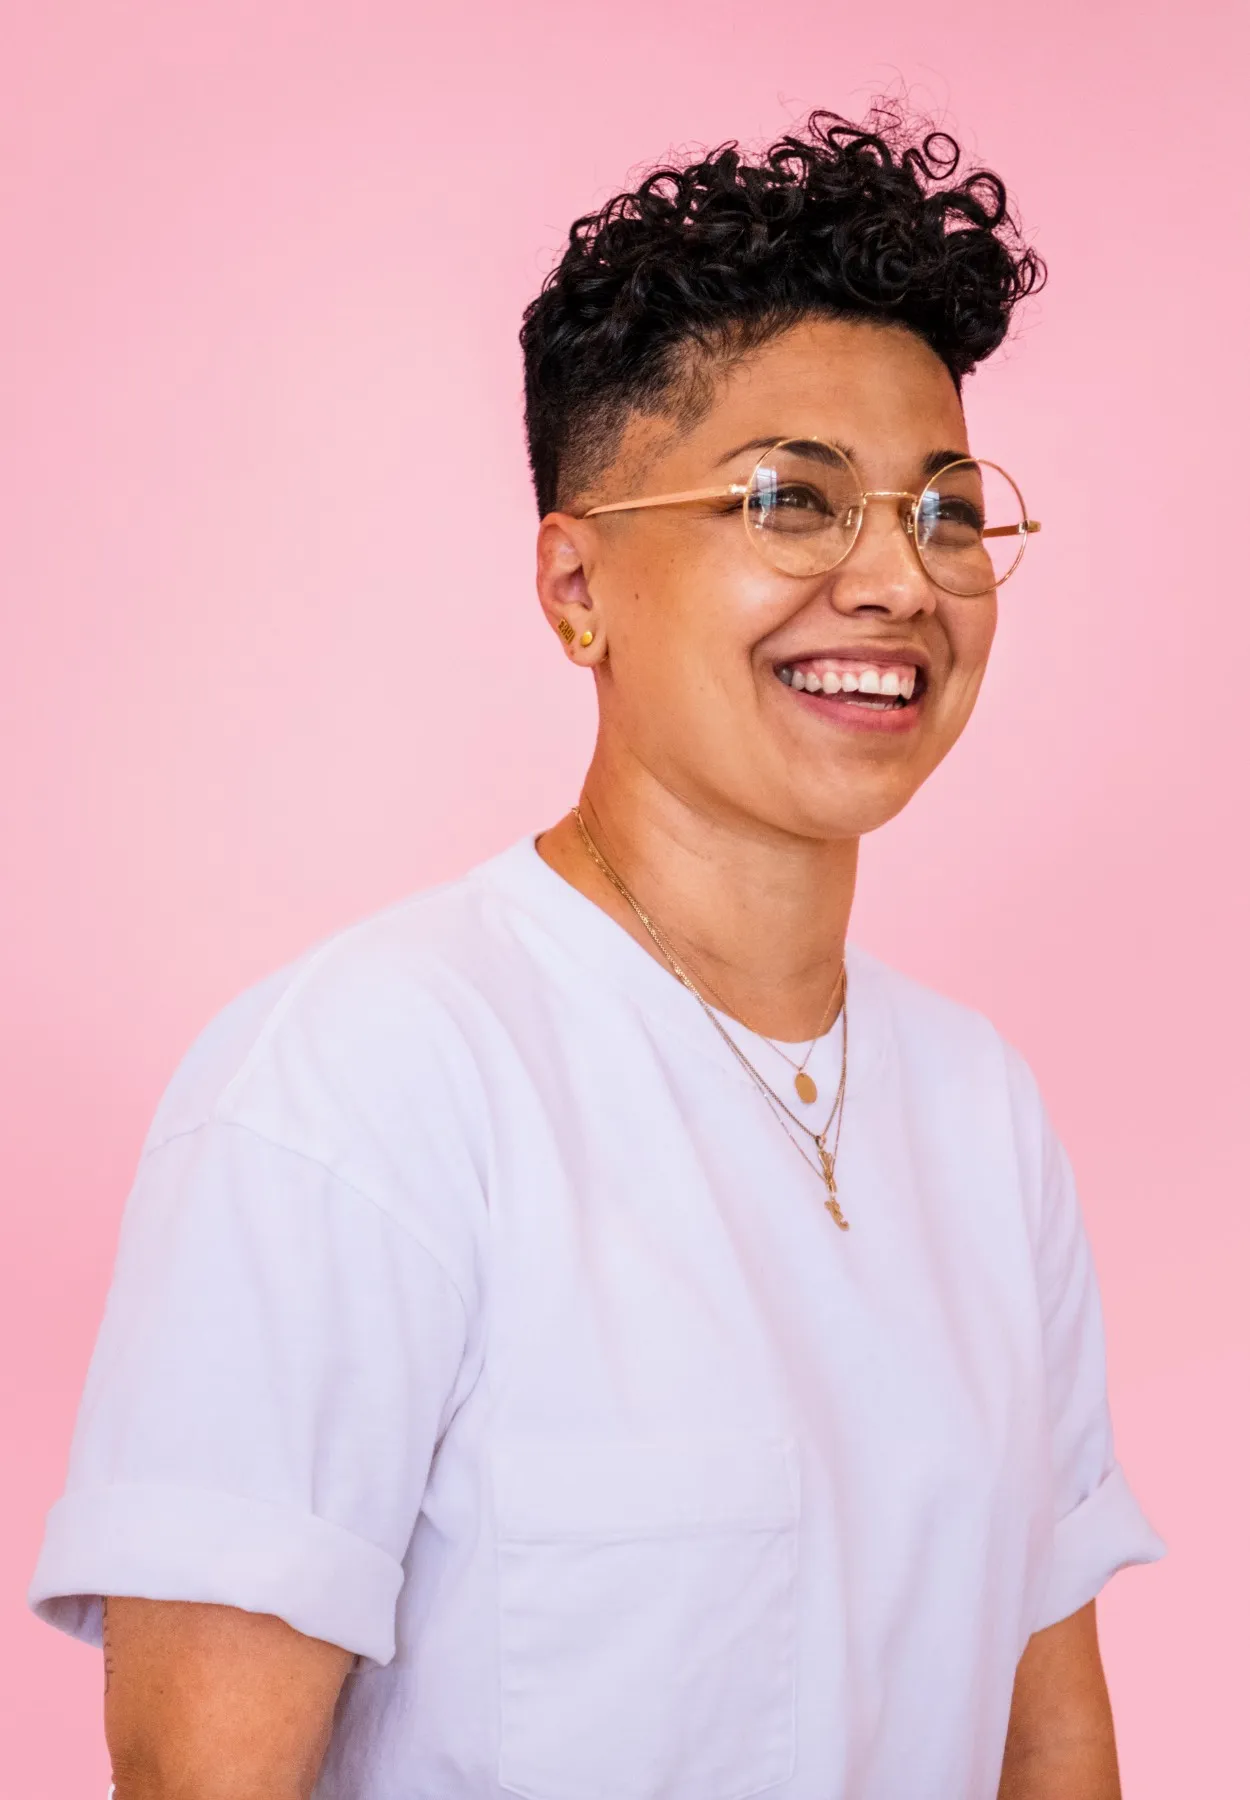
(721, 493)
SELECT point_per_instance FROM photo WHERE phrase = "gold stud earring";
(565, 630)
(586, 639)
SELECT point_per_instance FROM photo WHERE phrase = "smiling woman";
(589, 1331)
(865, 498)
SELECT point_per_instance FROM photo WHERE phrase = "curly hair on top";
(700, 264)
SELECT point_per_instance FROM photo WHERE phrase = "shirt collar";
(597, 943)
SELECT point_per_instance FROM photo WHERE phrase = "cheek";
(730, 603)
(970, 633)
(695, 609)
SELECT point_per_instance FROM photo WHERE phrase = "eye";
(800, 508)
(950, 516)
(791, 496)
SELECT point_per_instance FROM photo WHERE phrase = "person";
(587, 1332)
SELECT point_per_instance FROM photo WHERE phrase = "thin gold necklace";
(804, 1085)
(823, 1168)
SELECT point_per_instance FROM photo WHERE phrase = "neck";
(755, 913)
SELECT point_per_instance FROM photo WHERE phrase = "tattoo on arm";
(108, 1648)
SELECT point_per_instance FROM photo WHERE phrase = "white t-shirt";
(472, 1312)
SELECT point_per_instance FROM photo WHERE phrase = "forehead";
(877, 389)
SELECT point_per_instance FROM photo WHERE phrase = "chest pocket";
(648, 1618)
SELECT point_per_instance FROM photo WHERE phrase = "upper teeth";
(897, 681)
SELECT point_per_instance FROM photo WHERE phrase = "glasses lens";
(970, 527)
(803, 507)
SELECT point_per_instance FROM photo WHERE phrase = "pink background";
(271, 656)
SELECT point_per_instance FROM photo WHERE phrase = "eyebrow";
(935, 460)
(780, 437)
(938, 459)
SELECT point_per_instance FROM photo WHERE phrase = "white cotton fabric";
(472, 1312)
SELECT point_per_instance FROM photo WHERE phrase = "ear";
(566, 549)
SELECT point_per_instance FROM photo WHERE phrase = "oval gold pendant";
(805, 1087)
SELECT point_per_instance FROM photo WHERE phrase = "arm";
(1060, 1736)
(211, 1703)
(271, 1335)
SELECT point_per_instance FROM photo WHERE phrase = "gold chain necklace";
(823, 1168)
(804, 1086)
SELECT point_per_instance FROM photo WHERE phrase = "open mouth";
(870, 687)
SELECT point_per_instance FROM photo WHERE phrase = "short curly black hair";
(702, 263)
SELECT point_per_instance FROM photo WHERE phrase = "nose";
(882, 573)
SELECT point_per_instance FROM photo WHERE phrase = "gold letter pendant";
(831, 1204)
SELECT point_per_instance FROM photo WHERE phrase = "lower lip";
(840, 709)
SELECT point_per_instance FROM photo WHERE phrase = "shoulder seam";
(334, 1175)
(306, 965)
(281, 1006)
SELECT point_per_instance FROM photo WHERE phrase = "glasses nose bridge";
(893, 494)
(906, 519)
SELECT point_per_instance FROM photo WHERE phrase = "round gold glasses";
(804, 505)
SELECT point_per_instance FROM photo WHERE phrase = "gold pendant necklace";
(826, 1158)
(804, 1084)
(830, 1180)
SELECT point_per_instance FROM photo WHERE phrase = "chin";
(831, 810)
(840, 820)
(849, 795)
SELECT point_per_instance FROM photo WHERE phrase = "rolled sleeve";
(1105, 1532)
(1093, 1524)
(276, 1364)
(193, 1545)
